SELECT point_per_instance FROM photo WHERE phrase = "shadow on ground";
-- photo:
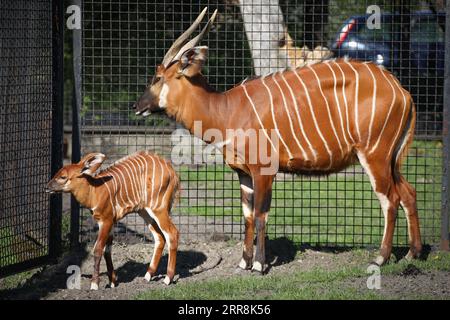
(50, 279)
(54, 277)
(193, 259)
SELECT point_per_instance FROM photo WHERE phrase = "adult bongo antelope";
(325, 115)
(142, 183)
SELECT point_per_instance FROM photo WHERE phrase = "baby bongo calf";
(142, 183)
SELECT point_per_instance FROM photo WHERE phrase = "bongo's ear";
(192, 61)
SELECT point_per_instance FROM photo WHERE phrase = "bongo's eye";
(156, 80)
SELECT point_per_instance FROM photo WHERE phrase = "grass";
(9, 256)
(17, 280)
(338, 209)
(12, 252)
(316, 284)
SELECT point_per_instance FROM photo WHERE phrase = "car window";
(384, 33)
(426, 30)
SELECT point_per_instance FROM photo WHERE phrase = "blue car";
(382, 46)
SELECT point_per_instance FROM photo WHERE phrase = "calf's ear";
(91, 162)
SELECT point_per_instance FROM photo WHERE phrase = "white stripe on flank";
(111, 199)
(297, 112)
(116, 188)
(135, 162)
(144, 172)
(328, 109)
(153, 182)
(130, 174)
(145, 178)
(158, 195)
(119, 187)
(374, 105)
(345, 103)
(330, 154)
(275, 121)
(356, 99)
(305, 156)
(138, 178)
(257, 116)
(402, 146)
(143, 175)
(338, 106)
(394, 96)
(123, 185)
(401, 121)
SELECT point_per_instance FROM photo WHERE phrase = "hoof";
(379, 261)
(411, 255)
(148, 277)
(167, 281)
(408, 258)
(113, 280)
(94, 286)
(244, 265)
(257, 267)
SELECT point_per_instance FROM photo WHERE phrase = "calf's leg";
(104, 231)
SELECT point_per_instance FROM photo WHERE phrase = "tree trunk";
(264, 26)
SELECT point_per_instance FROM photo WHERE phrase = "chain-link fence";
(123, 42)
(28, 111)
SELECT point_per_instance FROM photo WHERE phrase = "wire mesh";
(124, 41)
(25, 129)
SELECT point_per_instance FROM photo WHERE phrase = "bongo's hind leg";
(170, 232)
(408, 202)
(158, 247)
(157, 251)
(389, 201)
(383, 185)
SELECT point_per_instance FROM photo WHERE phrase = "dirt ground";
(199, 261)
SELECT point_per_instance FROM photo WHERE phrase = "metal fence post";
(76, 134)
(446, 139)
(57, 123)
